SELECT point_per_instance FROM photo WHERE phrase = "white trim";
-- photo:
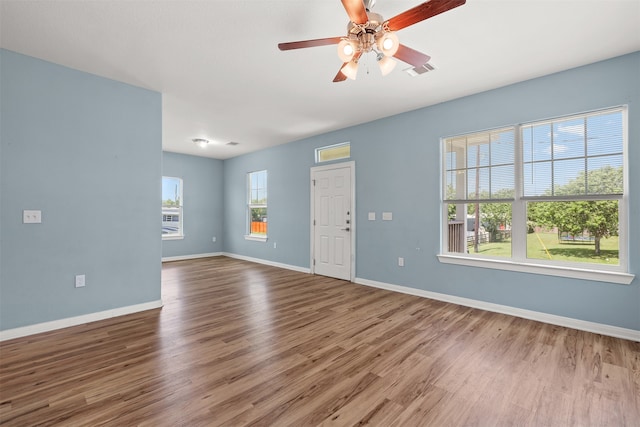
(255, 238)
(352, 168)
(583, 325)
(545, 269)
(77, 320)
(192, 256)
(172, 237)
(266, 262)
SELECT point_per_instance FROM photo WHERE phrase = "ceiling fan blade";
(411, 57)
(340, 77)
(309, 43)
(422, 12)
(356, 11)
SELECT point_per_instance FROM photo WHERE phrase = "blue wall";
(202, 198)
(398, 170)
(87, 152)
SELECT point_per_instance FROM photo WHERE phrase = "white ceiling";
(223, 78)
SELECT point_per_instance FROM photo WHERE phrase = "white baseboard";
(271, 263)
(77, 320)
(193, 256)
(583, 325)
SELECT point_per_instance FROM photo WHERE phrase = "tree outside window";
(565, 194)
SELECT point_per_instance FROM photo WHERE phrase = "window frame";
(518, 260)
(180, 235)
(327, 148)
(249, 235)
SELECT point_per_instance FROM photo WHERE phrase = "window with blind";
(479, 190)
(549, 192)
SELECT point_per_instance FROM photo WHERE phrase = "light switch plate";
(31, 217)
(387, 216)
(372, 216)
(80, 280)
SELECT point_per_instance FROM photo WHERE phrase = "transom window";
(549, 192)
(333, 152)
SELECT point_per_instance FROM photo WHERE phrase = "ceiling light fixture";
(386, 64)
(372, 36)
(350, 69)
(368, 32)
(346, 50)
(201, 142)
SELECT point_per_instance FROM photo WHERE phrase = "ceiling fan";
(369, 32)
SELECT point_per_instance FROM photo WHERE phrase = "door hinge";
(314, 182)
(314, 261)
(314, 222)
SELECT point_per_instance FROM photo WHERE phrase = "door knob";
(345, 229)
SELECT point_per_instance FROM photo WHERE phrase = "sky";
(169, 187)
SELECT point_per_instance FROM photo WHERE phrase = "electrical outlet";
(31, 217)
(275, 245)
(400, 262)
(214, 239)
(80, 280)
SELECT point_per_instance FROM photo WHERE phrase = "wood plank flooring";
(242, 344)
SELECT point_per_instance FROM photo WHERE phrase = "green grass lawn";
(571, 251)
(547, 246)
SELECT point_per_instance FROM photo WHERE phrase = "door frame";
(352, 168)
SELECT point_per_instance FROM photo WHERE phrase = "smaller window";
(172, 211)
(257, 205)
(333, 152)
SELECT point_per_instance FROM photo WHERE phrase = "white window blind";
(480, 166)
(576, 156)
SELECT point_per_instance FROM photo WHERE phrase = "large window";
(548, 193)
(172, 218)
(257, 205)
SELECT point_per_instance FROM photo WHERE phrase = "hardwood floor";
(245, 344)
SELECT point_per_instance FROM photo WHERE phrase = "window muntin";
(568, 193)
(257, 204)
(333, 152)
(172, 208)
(480, 166)
(563, 151)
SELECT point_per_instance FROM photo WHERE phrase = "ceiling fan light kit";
(386, 64)
(388, 43)
(346, 50)
(350, 70)
(369, 32)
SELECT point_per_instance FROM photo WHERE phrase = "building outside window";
(257, 205)
(172, 208)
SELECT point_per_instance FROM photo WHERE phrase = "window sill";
(164, 237)
(548, 270)
(255, 238)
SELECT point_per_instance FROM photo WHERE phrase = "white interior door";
(333, 221)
